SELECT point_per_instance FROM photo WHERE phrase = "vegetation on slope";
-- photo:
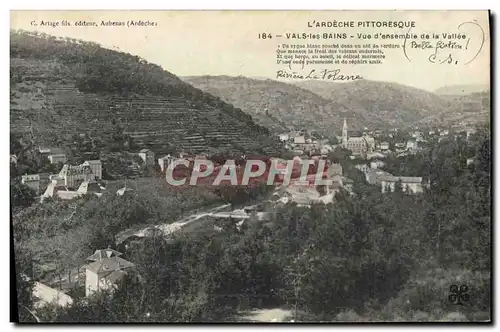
(60, 87)
(381, 103)
(278, 105)
(368, 257)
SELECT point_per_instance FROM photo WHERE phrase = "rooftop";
(31, 177)
(93, 162)
(54, 151)
(109, 264)
(403, 179)
(103, 253)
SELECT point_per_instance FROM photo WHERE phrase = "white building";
(44, 150)
(105, 270)
(55, 155)
(299, 140)
(376, 164)
(411, 185)
(165, 161)
(411, 144)
(96, 167)
(46, 295)
(147, 156)
(284, 137)
(73, 176)
(384, 146)
(32, 181)
(57, 158)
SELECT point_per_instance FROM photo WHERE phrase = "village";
(105, 269)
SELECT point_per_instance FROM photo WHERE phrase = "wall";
(91, 282)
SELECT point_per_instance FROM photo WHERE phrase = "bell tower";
(344, 133)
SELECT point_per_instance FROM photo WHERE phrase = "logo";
(297, 172)
(458, 295)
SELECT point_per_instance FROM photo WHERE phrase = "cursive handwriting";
(325, 74)
(438, 48)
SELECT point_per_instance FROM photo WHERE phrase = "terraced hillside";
(62, 87)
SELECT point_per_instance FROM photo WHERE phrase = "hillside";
(277, 105)
(463, 89)
(471, 109)
(62, 87)
(383, 104)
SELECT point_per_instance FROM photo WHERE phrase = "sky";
(189, 43)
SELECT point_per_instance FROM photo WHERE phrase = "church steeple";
(344, 133)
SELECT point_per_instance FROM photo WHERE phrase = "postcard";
(250, 166)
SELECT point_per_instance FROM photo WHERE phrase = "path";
(266, 315)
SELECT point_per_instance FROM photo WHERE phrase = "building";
(284, 137)
(417, 135)
(411, 144)
(362, 167)
(96, 167)
(443, 132)
(165, 161)
(61, 191)
(384, 146)
(376, 164)
(373, 176)
(147, 156)
(105, 270)
(57, 158)
(72, 176)
(56, 155)
(47, 295)
(470, 133)
(299, 140)
(13, 159)
(32, 181)
(411, 185)
(359, 146)
(400, 146)
(44, 150)
(334, 169)
(375, 155)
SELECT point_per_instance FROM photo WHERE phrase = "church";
(359, 146)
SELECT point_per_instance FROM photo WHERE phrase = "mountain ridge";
(61, 87)
(294, 107)
(321, 105)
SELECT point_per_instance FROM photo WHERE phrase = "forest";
(367, 257)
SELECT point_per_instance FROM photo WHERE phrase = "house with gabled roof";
(147, 156)
(105, 269)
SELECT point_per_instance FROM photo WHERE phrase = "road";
(168, 228)
(66, 282)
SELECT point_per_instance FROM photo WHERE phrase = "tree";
(20, 194)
